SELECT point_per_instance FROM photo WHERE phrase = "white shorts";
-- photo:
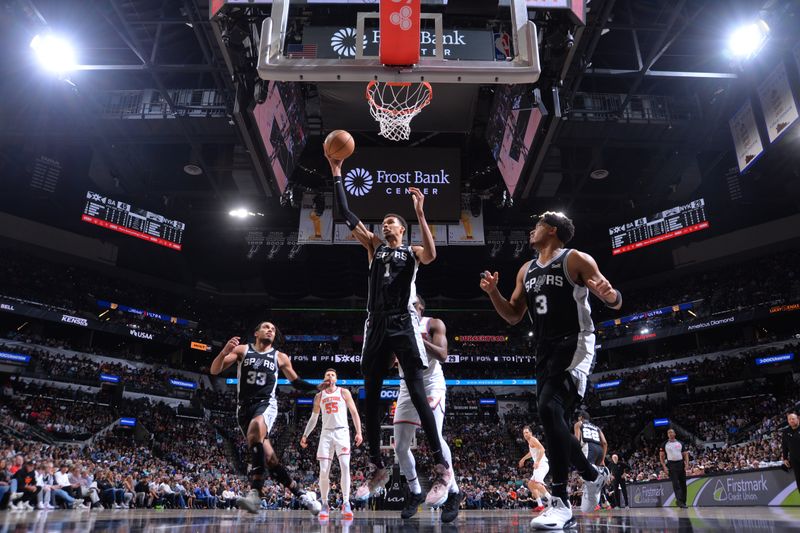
(540, 473)
(267, 409)
(333, 442)
(406, 413)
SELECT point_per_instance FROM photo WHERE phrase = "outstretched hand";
(232, 343)
(418, 198)
(489, 281)
(603, 289)
(324, 385)
(336, 165)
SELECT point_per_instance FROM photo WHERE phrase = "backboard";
(275, 64)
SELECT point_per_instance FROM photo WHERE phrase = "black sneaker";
(413, 501)
(451, 507)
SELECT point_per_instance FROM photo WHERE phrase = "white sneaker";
(13, 506)
(40, 506)
(79, 505)
(593, 489)
(117, 506)
(557, 516)
(28, 506)
(437, 495)
(309, 500)
(251, 503)
(49, 507)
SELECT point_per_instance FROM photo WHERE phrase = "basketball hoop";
(394, 104)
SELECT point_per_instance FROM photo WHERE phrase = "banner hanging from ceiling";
(315, 227)
(777, 102)
(746, 139)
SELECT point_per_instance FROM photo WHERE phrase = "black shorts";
(566, 356)
(594, 452)
(267, 409)
(392, 334)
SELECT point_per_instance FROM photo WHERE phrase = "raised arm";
(367, 239)
(427, 252)
(437, 346)
(513, 309)
(351, 406)
(229, 354)
(312, 421)
(583, 269)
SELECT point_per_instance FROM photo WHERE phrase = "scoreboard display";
(662, 226)
(124, 218)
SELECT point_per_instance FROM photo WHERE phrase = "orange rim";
(415, 109)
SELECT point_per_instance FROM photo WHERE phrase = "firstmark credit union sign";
(336, 42)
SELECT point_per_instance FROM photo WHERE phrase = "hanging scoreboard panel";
(124, 218)
(667, 224)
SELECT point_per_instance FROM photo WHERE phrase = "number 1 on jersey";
(388, 273)
(541, 304)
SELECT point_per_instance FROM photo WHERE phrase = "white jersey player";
(541, 466)
(333, 402)
(406, 420)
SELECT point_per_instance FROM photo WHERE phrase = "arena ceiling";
(666, 56)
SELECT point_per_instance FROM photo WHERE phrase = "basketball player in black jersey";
(257, 408)
(554, 291)
(593, 444)
(392, 328)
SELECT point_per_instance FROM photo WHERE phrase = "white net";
(394, 105)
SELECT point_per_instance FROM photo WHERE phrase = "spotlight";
(746, 41)
(644, 331)
(240, 212)
(54, 53)
(530, 334)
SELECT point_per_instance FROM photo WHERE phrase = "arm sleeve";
(350, 218)
(303, 385)
(312, 423)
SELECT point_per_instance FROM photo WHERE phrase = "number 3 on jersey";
(541, 304)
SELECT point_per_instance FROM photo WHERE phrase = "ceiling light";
(54, 53)
(747, 40)
(241, 212)
(599, 174)
(192, 169)
(644, 331)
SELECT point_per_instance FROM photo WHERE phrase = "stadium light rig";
(54, 53)
(746, 41)
(242, 212)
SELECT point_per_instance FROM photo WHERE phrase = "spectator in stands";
(26, 483)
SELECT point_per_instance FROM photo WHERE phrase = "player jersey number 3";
(590, 434)
(541, 304)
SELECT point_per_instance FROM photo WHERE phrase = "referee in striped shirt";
(675, 461)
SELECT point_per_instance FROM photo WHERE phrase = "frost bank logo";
(649, 494)
(358, 182)
(343, 42)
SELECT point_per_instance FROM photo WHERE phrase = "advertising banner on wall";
(315, 228)
(769, 487)
(468, 231)
(777, 102)
(746, 139)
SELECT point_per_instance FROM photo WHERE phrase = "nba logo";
(502, 46)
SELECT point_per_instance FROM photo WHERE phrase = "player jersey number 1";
(256, 378)
(541, 304)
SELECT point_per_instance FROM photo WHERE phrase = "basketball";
(339, 144)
